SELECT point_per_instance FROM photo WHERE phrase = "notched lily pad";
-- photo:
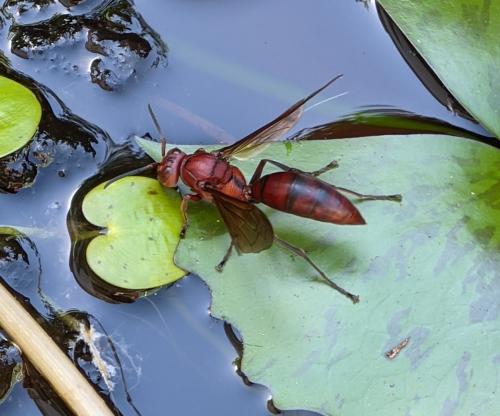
(141, 222)
(20, 113)
(426, 270)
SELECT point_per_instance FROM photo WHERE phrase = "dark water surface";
(232, 67)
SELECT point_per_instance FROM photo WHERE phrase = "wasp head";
(169, 168)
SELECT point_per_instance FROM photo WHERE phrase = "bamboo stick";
(49, 359)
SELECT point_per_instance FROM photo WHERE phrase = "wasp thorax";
(169, 168)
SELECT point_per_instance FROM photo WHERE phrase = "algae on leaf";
(427, 269)
(20, 113)
(459, 39)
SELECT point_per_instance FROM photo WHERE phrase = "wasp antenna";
(163, 138)
(323, 87)
(130, 173)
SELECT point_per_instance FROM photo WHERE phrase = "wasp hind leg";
(260, 167)
(362, 197)
(301, 253)
(332, 165)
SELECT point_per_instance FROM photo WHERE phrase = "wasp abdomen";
(307, 196)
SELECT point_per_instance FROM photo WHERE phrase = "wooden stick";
(50, 361)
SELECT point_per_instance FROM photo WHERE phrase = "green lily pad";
(459, 39)
(427, 269)
(20, 113)
(142, 222)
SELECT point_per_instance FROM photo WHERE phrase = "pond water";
(232, 66)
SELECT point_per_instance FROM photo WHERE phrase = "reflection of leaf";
(20, 113)
(459, 39)
(382, 121)
(427, 269)
(143, 222)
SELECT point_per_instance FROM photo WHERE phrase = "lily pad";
(142, 222)
(20, 113)
(427, 269)
(459, 41)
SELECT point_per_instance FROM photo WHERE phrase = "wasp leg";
(260, 167)
(301, 253)
(184, 207)
(332, 165)
(220, 266)
(362, 197)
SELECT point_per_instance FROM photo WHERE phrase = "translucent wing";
(248, 226)
(273, 131)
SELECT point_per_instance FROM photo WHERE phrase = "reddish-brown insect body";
(212, 178)
(304, 195)
(202, 169)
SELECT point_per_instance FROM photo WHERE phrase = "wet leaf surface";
(425, 269)
(20, 114)
(459, 40)
(142, 223)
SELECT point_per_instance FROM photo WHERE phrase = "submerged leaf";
(20, 113)
(459, 39)
(426, 270)
(142, 222)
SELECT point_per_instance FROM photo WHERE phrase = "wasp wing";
(273, 131)
(248, 226)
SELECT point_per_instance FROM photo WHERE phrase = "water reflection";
(386, 121)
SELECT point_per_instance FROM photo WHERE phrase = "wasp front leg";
(184, 208)
(222, 263)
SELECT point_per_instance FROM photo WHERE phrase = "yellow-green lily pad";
(142, 223)
(20, 113)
